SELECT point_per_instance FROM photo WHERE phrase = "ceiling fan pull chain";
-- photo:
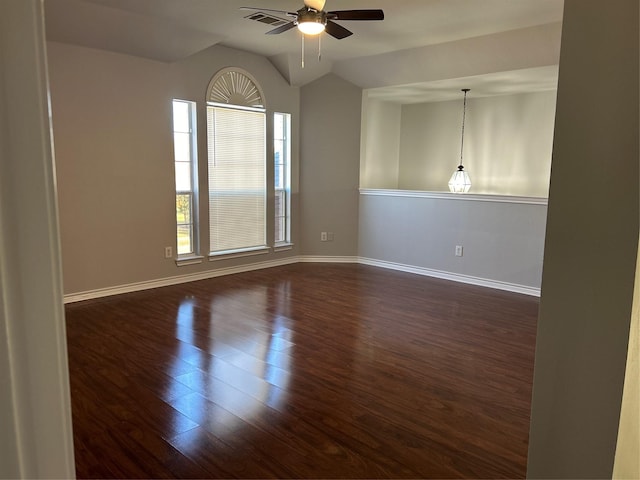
(302, 60)
(319, 48)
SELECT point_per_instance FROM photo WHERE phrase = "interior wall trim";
(326, 259)
(473, 197)
(456, 277)
(165, 282)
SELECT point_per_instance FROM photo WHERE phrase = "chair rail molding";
(471, 197)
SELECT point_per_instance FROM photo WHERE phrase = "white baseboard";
(326, 259)
(164, 282)
(456, 277)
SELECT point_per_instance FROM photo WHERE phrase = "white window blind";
(237, 179)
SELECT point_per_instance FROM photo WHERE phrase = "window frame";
(285, 242)
(193, 256)
(236, 88)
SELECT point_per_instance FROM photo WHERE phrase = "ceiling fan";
(311, 19)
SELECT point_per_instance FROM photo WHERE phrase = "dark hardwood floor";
(303, 371)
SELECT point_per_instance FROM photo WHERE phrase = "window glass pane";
(280, 216)
(279, 203)
(278, 148)
(279, 178)
(181, 116)
(279, 237)
(183, 208)
(278, 123)
(184, 239)
(185, 166)
(282, 174)
(182, 147)
(183, 176)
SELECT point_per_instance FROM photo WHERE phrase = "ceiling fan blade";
(281, 28)
(284, 12)
(356, 15)
(337, 31)
(317, 5)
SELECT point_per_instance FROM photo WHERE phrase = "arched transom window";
(232, 86)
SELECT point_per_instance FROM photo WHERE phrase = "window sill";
(282, 247)
(248, 252)
(191, 260)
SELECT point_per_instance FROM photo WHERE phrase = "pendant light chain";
(464, 114)
(460, 181)
(302, 49)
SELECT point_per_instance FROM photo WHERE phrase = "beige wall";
(329, 165)
(114, 165)
(591, 245)
(380, 144)
(507, 150)
(112, 132)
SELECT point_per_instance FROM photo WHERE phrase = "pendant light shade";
(460, 182)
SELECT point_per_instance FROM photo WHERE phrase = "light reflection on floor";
(238, 366)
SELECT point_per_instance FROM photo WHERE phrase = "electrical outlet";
(458, 250)
(330, 236)
(323, 236)
(168, 252)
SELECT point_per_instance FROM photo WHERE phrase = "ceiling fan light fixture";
(311, 22)
(312, 19)
(317, 5)
(311, 26)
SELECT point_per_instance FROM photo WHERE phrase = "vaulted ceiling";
(502, 46)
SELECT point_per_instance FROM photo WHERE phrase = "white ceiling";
(170, 30)
(503, 83)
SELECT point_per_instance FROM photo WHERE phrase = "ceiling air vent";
(266, 18)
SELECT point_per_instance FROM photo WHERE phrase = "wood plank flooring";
(303, 371)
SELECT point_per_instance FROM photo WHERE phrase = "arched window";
(236, 139)
(235, 87)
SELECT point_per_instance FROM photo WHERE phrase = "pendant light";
(460, 181)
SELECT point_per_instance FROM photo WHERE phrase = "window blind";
(237, 179)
